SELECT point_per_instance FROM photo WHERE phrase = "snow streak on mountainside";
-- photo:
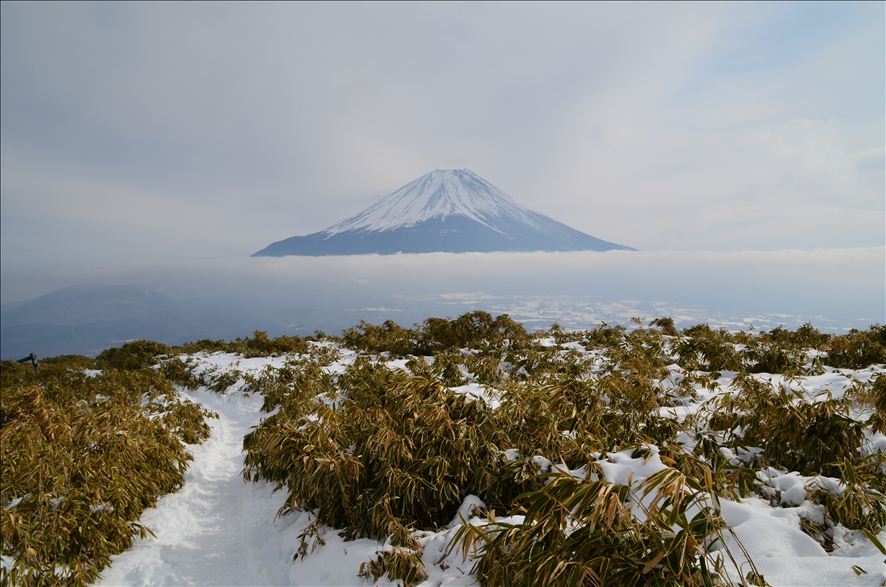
(446, 210)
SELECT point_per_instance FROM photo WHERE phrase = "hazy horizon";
(845, 285)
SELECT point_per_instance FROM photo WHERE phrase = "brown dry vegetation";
(81, 457)
(380, 453)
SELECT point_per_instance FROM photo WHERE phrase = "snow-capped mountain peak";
(446, 210)
(438, 194)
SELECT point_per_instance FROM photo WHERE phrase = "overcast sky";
(160, 131)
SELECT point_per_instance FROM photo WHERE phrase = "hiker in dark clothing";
(32, 359)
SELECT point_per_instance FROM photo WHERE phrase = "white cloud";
(841, 284)
(228, 126)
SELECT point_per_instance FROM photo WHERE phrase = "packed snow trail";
(218, 529)
(221, 530)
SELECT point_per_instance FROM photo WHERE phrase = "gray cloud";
(145, 131)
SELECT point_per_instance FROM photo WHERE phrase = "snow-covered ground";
(218, 529)
(221, 530)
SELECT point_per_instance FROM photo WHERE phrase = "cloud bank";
(839, 284)
(162, 131)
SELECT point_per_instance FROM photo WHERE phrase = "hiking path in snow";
(217, 529)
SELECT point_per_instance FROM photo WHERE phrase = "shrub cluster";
(858, 349)
(476, 330)
(258, 345)
(145, 353)
(813, 438)
(81, 457)
(381, 452)
(384, 452)
(132, 355)
(395, 450)
(585, 532)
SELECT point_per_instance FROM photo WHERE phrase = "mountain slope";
(88, 319)
(452, 210)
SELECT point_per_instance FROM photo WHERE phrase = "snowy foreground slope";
(221, 530)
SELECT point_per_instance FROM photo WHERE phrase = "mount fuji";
(446, 210)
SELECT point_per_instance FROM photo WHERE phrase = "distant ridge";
(446, 210)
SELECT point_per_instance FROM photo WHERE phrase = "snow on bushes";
(469, 450)
(391, 450)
